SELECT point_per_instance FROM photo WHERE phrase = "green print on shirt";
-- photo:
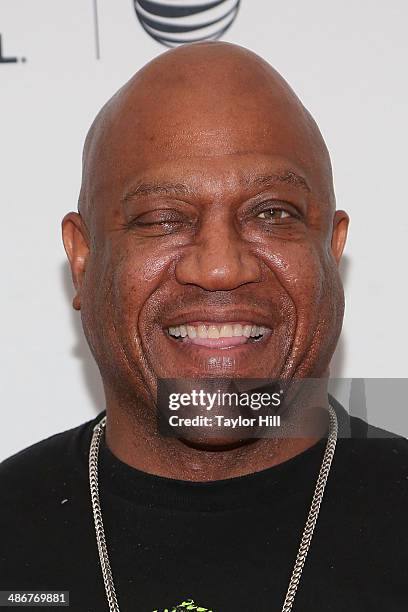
(185, 605)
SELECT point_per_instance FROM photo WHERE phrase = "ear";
(339, 234)
(76, 242)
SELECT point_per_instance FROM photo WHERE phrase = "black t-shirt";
(229, 545)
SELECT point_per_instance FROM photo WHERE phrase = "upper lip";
(217, 315)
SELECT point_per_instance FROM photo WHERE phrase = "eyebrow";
(287, 177)
(263, 180)
(145, 189)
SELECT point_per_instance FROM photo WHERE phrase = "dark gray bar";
(30, 598)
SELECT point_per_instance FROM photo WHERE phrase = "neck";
(133, 438)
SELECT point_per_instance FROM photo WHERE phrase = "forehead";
(216, 179)
(205, 134)
(198, 123)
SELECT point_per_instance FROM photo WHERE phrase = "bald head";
(211, 98)
(206, 199)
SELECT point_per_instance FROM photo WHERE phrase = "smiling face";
(207, 243)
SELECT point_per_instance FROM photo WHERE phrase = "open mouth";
(218, 335)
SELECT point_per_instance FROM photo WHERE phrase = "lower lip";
(216, 342)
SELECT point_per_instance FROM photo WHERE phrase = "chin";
(216, 443)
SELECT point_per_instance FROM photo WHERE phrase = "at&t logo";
(175, 22)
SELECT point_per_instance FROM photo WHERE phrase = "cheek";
(308, 274)
(154, 265)
(137, 273)
(300, 269)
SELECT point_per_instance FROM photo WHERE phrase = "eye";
(157, 217)
(159, 222)
(273, 213)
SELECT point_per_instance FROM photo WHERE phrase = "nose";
(218, 260)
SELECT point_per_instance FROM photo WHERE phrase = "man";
(207, 247)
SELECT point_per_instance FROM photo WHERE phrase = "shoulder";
(44, 504)
(37, 465)
(374, 462)
(371, 458)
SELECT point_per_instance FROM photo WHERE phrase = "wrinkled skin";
(177, 168)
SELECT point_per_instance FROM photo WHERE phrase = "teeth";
(246, 331)
(226, 331)
(237, 331)
(191, 331)
(174, 331)
(202, 331)
(215, 331)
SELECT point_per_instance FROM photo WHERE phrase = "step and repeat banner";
(60, 61)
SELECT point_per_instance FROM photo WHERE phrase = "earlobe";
(76, 302)
(76, 244)
(339, 234)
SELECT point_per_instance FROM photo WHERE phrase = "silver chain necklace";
(304, 543)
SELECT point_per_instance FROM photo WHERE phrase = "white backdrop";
(347, 62)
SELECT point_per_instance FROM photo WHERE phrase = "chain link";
(97, 514)
(313, 512)
(304, 543)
